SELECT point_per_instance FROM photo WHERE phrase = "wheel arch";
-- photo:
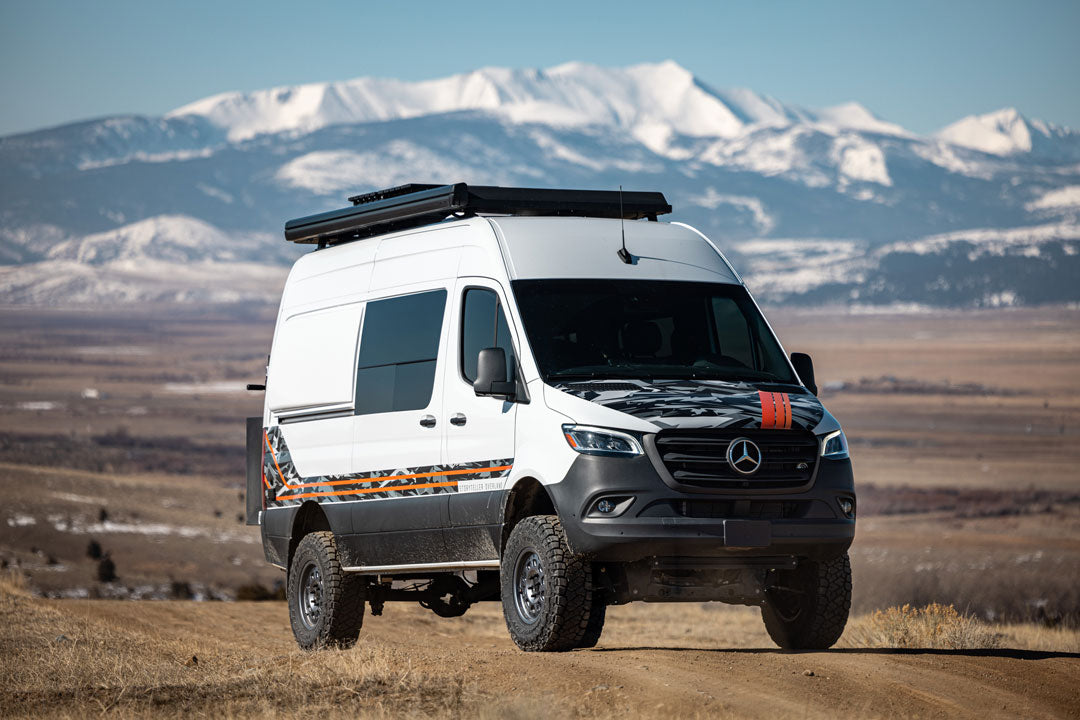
(309, 518)
(528, 497)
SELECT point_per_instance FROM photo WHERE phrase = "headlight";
(595, 441)
(834, 446)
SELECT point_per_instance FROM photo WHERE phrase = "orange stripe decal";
(367, 481)
(768, 410)
(413, 476)
(274, 456)
(775, 410)
(364, 491)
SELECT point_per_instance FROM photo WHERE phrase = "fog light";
(605, 506)
(847, 506)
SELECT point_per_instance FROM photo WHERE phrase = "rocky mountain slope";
(814, 205)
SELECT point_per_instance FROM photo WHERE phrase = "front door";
(479, 431)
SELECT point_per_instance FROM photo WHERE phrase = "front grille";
(698, 458)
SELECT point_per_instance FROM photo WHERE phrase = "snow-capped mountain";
(1007, 132)
(650, 101)
(830, 204)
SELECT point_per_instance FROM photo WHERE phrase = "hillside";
(817, 205)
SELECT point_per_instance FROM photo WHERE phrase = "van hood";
(704, 403)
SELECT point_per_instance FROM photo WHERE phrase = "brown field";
(965, 432)
(181, 659)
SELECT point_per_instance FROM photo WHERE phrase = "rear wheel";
(326, 604)
(546, 590)
(807, 608)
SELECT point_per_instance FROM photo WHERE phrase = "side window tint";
(399, 347)
(483, 325)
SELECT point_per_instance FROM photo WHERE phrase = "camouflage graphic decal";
(285, 486)
(702, 403)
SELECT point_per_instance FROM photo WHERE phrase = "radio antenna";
(624, 254)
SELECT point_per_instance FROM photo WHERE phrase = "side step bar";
(423, 567)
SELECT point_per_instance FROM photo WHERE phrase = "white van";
(543, 397)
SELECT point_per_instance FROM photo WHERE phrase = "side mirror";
(491, 374)
(804, 366)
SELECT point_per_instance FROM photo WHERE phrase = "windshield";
(648, 329)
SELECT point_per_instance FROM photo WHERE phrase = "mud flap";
(254, 485)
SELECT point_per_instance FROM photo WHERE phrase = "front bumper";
(661, 521)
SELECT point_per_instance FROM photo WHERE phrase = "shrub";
(935, 626)
(257, 592)
(93, 550)
(106, 569)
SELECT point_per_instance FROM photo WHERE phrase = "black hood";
(704, 403)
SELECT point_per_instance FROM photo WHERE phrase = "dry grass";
(932, 627)
(68, 665)
(77, 659)
(1039, 638)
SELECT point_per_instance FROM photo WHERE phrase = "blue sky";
(921, 64)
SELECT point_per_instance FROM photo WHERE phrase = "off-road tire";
(342, 595)
(595, 626)
(817, 618)
(562, 615)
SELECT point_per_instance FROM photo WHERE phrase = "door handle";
(428, 421)
(458, 419)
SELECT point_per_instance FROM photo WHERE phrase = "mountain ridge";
(828, 202)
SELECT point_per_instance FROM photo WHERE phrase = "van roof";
(414, 205)
(557, 247)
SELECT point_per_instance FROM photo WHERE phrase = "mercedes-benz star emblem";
(744, 456)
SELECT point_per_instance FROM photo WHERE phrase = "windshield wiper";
(612, 374)
(573, 375)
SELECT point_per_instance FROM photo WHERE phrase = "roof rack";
(408, 206)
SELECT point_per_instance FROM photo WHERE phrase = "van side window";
(483, 325)
(399, 347)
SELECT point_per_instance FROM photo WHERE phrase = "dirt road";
(85, 658)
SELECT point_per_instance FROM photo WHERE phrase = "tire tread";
(823, 621)
(569, 581)
(344, 596)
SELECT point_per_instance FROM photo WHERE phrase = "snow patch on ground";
(72, 497)
(946, 156)
(64, 524)
(994, 241)
(114, 350)
(39, 405)
(712, 199)
(207, 388)
(859, 160)
(1064, 198)
(786, 266)
(56, 282)
(146, 157)
(329, 172)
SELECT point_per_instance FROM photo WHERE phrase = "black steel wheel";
(546, 589)
(326, 604)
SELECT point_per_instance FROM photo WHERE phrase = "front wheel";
(807, 608)
(546, 590)
(326, 604)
